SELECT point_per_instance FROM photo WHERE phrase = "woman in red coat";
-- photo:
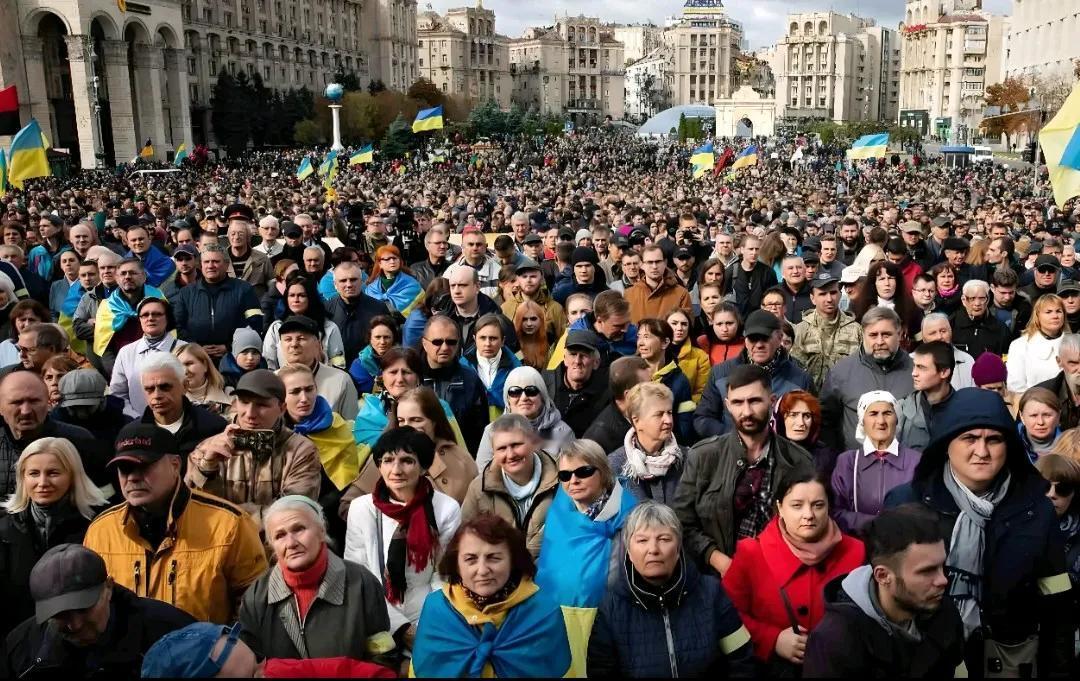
(776, 579)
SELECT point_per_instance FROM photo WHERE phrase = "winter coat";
(608, 429)
(976, 336)
(854, 641)
(578, 408)
(488, 494)
(460, 387)
(662, 489)
(104, 425)
(198, 424)
(332, 343)
(347, 617)
(425, 273)
(748, 287)
(554, 313)
(1032, 360)
(1070, 412)
(695, 365)
(353, 319)
(467, 325)
(257, 271)
(609, 350)
(819, 343)
(850, 379)
(683, 403)
(705, 500)
(915, 418)
(646, 302)
(231, 371)
(720, 352)
(797, 303)
(337, 387)
(711, 418)
(860, 482)
(764, 570)
(569, 286)
(208, 314)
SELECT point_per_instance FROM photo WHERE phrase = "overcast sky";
(763, 20)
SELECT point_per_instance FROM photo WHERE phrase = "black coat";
(35, 650)
(199, 423)
(353, 318)
(608, 429)
(749, 287)
(976, 336)
(104, 425)
(461, 388)
(578, 408)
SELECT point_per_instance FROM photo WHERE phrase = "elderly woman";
(1040, 418)
(525, 393)
(520, 481)
(777, 579)
(492, 361)
(53, 503)
(588, 511)
(490, 619)
(1063, 474)
(20, 316)
(661, 617)
(312, 604)
(400, 530)
(204, 384)
(365, 370)
(864, 476)
(392, 283)
(798, 418)
(650, 460)
(1032, 357)
(948, 295)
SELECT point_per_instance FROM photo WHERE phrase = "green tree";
(397, 140)
(307, 133)
(229, 114)
(425, 92)
(515, 118)
(359, 117)
(530, 123)
(487, 119)
(347, 79)
(376, 86)
(682, 127)
(261, 98)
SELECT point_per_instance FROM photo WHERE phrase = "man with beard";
(748, 464)
(879, 618)
(530, 286)
(1066, 385)
(851, 240)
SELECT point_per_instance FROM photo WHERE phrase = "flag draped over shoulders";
(113, 313)
(67, 316)
(159, 267)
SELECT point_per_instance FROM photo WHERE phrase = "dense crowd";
(541, 407)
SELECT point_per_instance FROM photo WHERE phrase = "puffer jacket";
(208, 314)
(850, 379)
(683, 403)
(553, 312)
(820, 343)
(711, 418)
(609, 350)
(647, 302)
(695, 365)
(253, 485)
(488, 494)
(210, 555)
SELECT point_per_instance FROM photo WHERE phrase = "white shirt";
(126, 377)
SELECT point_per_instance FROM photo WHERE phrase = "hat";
(245, 339)
(262, 383)
(683, 253)
(526, 264)
(209, 211)
(967, 409)
(618, 241)
(582, 338)
(761, 323)
(1047, 261)
(239, 211)
(864, 403)
(67, 577)
(583, 254)
(896, 246)
(1066, 285)
(185, 653)
(955, 243)
(988, 368)
(808, 256)
(298, 322)
(637, 236)
(911, 227)
(851, 274)
(941, 221)
(582, 234)
(566, 234)
(291, 229)
(823, 279)
(143, 443)
(186, 249)
(82, 388)
(532, 238)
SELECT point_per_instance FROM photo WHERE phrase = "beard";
(752, 425)
(1073, 380)
(908, 601)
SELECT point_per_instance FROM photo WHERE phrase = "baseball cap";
(298, 322)
(582, 338)
(761, 323)
(185, 653)
(807, 256)
(955, 243)
(261, 383)
(143, 443)
(897, 246)
(911, 227)
(566, 234)
(683, 253)
(824, 279)
(239, 211)
(941, 221)
(618, 241)
(532, 238)
(526, 264)
(851, 274)
(67, 577)
(82, 388)
(291, 229)
(637, 236)
(187, 250)
(1047, 261)
(1070, 285)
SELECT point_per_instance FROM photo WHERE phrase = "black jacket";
(461, 388)
(104, 425)
(749, 287)
(199, 423)
(208, 314)
(608, 429)
(353, 318)
(467, 325)
(976, 336)
(35, 650)
(578, 408)
(1070, 412)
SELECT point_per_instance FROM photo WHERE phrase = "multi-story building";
(704, 44)
(648, 85)
(837, 67)
(463, 55)
(638, 41)
(1042, 38)
(952, 50)
(388, 28)
(575, 67)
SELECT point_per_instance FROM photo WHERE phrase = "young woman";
(726, 332)
(203, 382)
(711, 296)
(302, 298)
(1040, 418)
(693, 361)
(365, 370)
(711, 272)
(392, 283)
(885, 282)
(653, 341)
(1032, 357)
(69, 276)
(530, 324)
(492, 361)
(52, 371)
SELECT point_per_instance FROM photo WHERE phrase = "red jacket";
(763, 565)
(911, 270)
(325, 668)
(721, 352)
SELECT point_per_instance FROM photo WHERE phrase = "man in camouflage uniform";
(825, 335)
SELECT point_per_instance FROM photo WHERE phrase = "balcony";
(582, 105)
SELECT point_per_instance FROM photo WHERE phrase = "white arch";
(32, 21)
(107, 23)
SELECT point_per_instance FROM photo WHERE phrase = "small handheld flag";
(365, 155)
(703, 159)
(181, 154)
(305, 170)
(1060, 142)
(428, 119)
(746, 157)
(27, 157)
(147, 150)
(869, 146)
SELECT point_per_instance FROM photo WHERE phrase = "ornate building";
(463, 55)
(388, 30)
(704, 44)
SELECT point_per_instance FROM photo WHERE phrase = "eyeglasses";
(580, 473)
(517, 391)
(389, 258)
(1046, 269)
(1060, 489)
(439, 342)
(151, 315)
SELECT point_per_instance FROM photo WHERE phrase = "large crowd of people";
(548, 407)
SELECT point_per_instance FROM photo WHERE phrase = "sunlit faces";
(881, 339)
(399, 377)
(45, 478)
(1040, 420)
(484, 568)
(513, 452)
(400, 471)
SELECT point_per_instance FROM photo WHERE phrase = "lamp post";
(334, 93)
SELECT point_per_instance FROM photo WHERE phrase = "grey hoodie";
(859, 587)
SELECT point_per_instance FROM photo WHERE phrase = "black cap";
(291, 229)
(824, 280)
(955, 243)
(67, 577)
(582, 338)
(811, 257)
(761, 323)
(1047, 261)
(683, 253)
(637, 236)
(239, 211)
(261, 383)
(526, 264)
(619, 241)
(298, 322)
(532, 238)
(941, 221)
(896, 246)
(566, 234)
(583, 254)
(1065, 285)
(143, 443)
(186, 250)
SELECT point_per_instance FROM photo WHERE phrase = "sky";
(762, 20)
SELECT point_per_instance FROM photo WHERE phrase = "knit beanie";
(245, 339)
(988, 368)
(582, 254)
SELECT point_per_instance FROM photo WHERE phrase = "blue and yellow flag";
(27, 157)
(67, 316)
(3, 171)
(181, 154)
(747, 157)
(1060, 142)
(113, 313)
(869, 146)
(328, 169)
(148, 150)
(365, 155)
(305, 170)
(428, 119)
(703, 159)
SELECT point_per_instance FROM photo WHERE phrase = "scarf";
(414, 539)
(305, 583)
(46, 518)
(523, 494)
(593, 510)
(488, 369)
(948, 292)
(965, 563)
(771, 365)
(499, 596)
(643, 466)
(1069, 524)
(812, 553)
(318, 420)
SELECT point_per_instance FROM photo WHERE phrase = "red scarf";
(414, 539)
(812, 553)
(305, 583)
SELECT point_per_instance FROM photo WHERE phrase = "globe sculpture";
(334, 92)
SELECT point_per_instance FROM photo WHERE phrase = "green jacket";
(819, 343)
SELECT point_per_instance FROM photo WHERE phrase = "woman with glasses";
(21, 315)
(651, 459)
(1063, 474)
(364, 370)
(774, 301)
(413, 329)
(582, 528)
(1040, 419)
(392, 283)
(1033, 356)
(525, 393)
(302, 298)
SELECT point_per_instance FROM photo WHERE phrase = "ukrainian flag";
(1060, 142)
(869, 146)
(703, 159)
(67, 316)
(746, 157)
(3, 171)
(27, 157)
(181, 154)
(365, 155)
(148, 149)
(328, 169)
(428, 119)
(305, 170)
(113, 314)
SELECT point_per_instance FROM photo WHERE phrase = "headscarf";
(864, 403)
(525, 376)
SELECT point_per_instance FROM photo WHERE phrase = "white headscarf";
(864, 403)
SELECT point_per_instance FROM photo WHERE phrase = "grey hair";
(520, 215)
(881, 314)
(269, 221)
(162, 361)
(216, 248)
(973, 286)
(316, 249)
(294, 502)
(593, 455)
(934, 317)
(509, 423)
(439, 228)
(1070, 342)
(649, 513)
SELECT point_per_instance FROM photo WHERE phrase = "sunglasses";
(1061, 489)
(580, 473)
(439, 342)
(518, 391)
(1046, 269)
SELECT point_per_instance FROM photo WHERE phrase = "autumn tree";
(425, 92)
(1008, 95)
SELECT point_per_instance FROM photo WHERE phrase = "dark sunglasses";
(1061, 489)
(580, 473)
(439, 342)
(1047, 269)
(528, 391)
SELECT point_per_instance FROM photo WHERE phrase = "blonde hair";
(83, 494)
(1068, 445)
(642, 393)
(214, 379)
(593, 455)
(1041, 304)
(293, 370)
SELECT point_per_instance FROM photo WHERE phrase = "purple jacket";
(875, 478)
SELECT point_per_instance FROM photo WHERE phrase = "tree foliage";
(307, 133)
(1009, 95)
(397, 140)
(425, 92)
(229, 115)
(245, 110)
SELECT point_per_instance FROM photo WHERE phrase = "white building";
(638, 41)
(704, 45)
(1043, 38)
(648, 85)
(463, 55)
(389, 31)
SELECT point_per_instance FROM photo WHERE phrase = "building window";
(193, 92)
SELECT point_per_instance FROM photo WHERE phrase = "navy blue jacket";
(711, 418)
(208, 314)
(460, 387)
